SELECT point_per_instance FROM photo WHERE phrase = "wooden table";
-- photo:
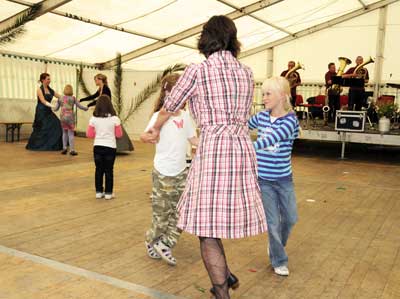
(13, 127)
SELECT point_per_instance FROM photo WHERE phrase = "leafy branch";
(12, 32)
(150, 89)
(82, 83)
(117, 94)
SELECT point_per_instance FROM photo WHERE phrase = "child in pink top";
(104, 127)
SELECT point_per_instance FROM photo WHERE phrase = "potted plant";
(385, 112)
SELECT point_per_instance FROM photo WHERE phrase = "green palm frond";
(11, 33)
(117, 94)
(82, 83)
(150, 89)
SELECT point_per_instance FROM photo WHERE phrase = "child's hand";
(147, 137)
(153, 135)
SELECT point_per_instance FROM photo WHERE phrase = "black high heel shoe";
(233, 283)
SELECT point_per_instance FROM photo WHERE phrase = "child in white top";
(169, 176)
(104, 127)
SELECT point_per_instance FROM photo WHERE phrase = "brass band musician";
(294, 80)
(356, 93)
(333, 94)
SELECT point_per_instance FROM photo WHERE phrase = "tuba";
(291, 74)
(360, 71)
(343, 62)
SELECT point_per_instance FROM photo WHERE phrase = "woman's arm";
(194, 141)
(57, 95)
(91, 97)
(154, 132)
(92, 104)
(183, 90)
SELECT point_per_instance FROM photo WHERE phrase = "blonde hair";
(279, 85)
(68, 90)
(102, 77)
(167, 83)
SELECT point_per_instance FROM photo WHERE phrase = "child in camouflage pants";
(169, 176)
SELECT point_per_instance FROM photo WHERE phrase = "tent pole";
(380, 45)
(270, 62)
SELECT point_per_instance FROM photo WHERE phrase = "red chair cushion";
(344, 101)
(320, 100)
(299, 99)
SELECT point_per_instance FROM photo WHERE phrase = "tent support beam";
(45, 59)
(319, 27)
(47, 5)
(99, 23)
(188, 33)
(257, 18)
(380, 45)
(362, 3)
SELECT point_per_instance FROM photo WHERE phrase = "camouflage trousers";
(165, 196)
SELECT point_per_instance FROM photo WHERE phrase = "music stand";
(348, 82)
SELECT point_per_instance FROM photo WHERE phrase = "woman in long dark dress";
(101, 81)
(47, 132)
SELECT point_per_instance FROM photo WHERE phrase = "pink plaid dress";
(222, 198)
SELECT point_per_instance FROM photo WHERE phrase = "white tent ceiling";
(56, 36)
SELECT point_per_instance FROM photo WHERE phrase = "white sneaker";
(282, 270)
(99, 195)
(109, 196)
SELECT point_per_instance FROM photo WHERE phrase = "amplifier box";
(350, 121)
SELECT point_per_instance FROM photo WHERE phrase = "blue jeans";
(281, 211)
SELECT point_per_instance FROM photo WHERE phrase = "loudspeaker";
(350, 121)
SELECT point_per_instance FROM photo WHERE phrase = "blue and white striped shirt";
(274, 144)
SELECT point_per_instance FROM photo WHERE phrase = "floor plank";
(345, 245)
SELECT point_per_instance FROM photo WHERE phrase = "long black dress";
(124, 143)
(47, 132)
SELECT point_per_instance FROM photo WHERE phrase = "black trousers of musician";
(104, 158)
(356, 99)
(334, 105)
(293, 99)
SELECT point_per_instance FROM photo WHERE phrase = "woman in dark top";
(100, 81)
(47, 132)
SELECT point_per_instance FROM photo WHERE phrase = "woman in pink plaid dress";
(222, 198)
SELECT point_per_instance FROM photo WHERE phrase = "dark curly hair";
(219, 33)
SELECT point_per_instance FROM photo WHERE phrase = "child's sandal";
(165, 252)
(151, 252)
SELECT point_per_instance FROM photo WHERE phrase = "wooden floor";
(346, 244)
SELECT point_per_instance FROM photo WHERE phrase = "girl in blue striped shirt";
(277, 128)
